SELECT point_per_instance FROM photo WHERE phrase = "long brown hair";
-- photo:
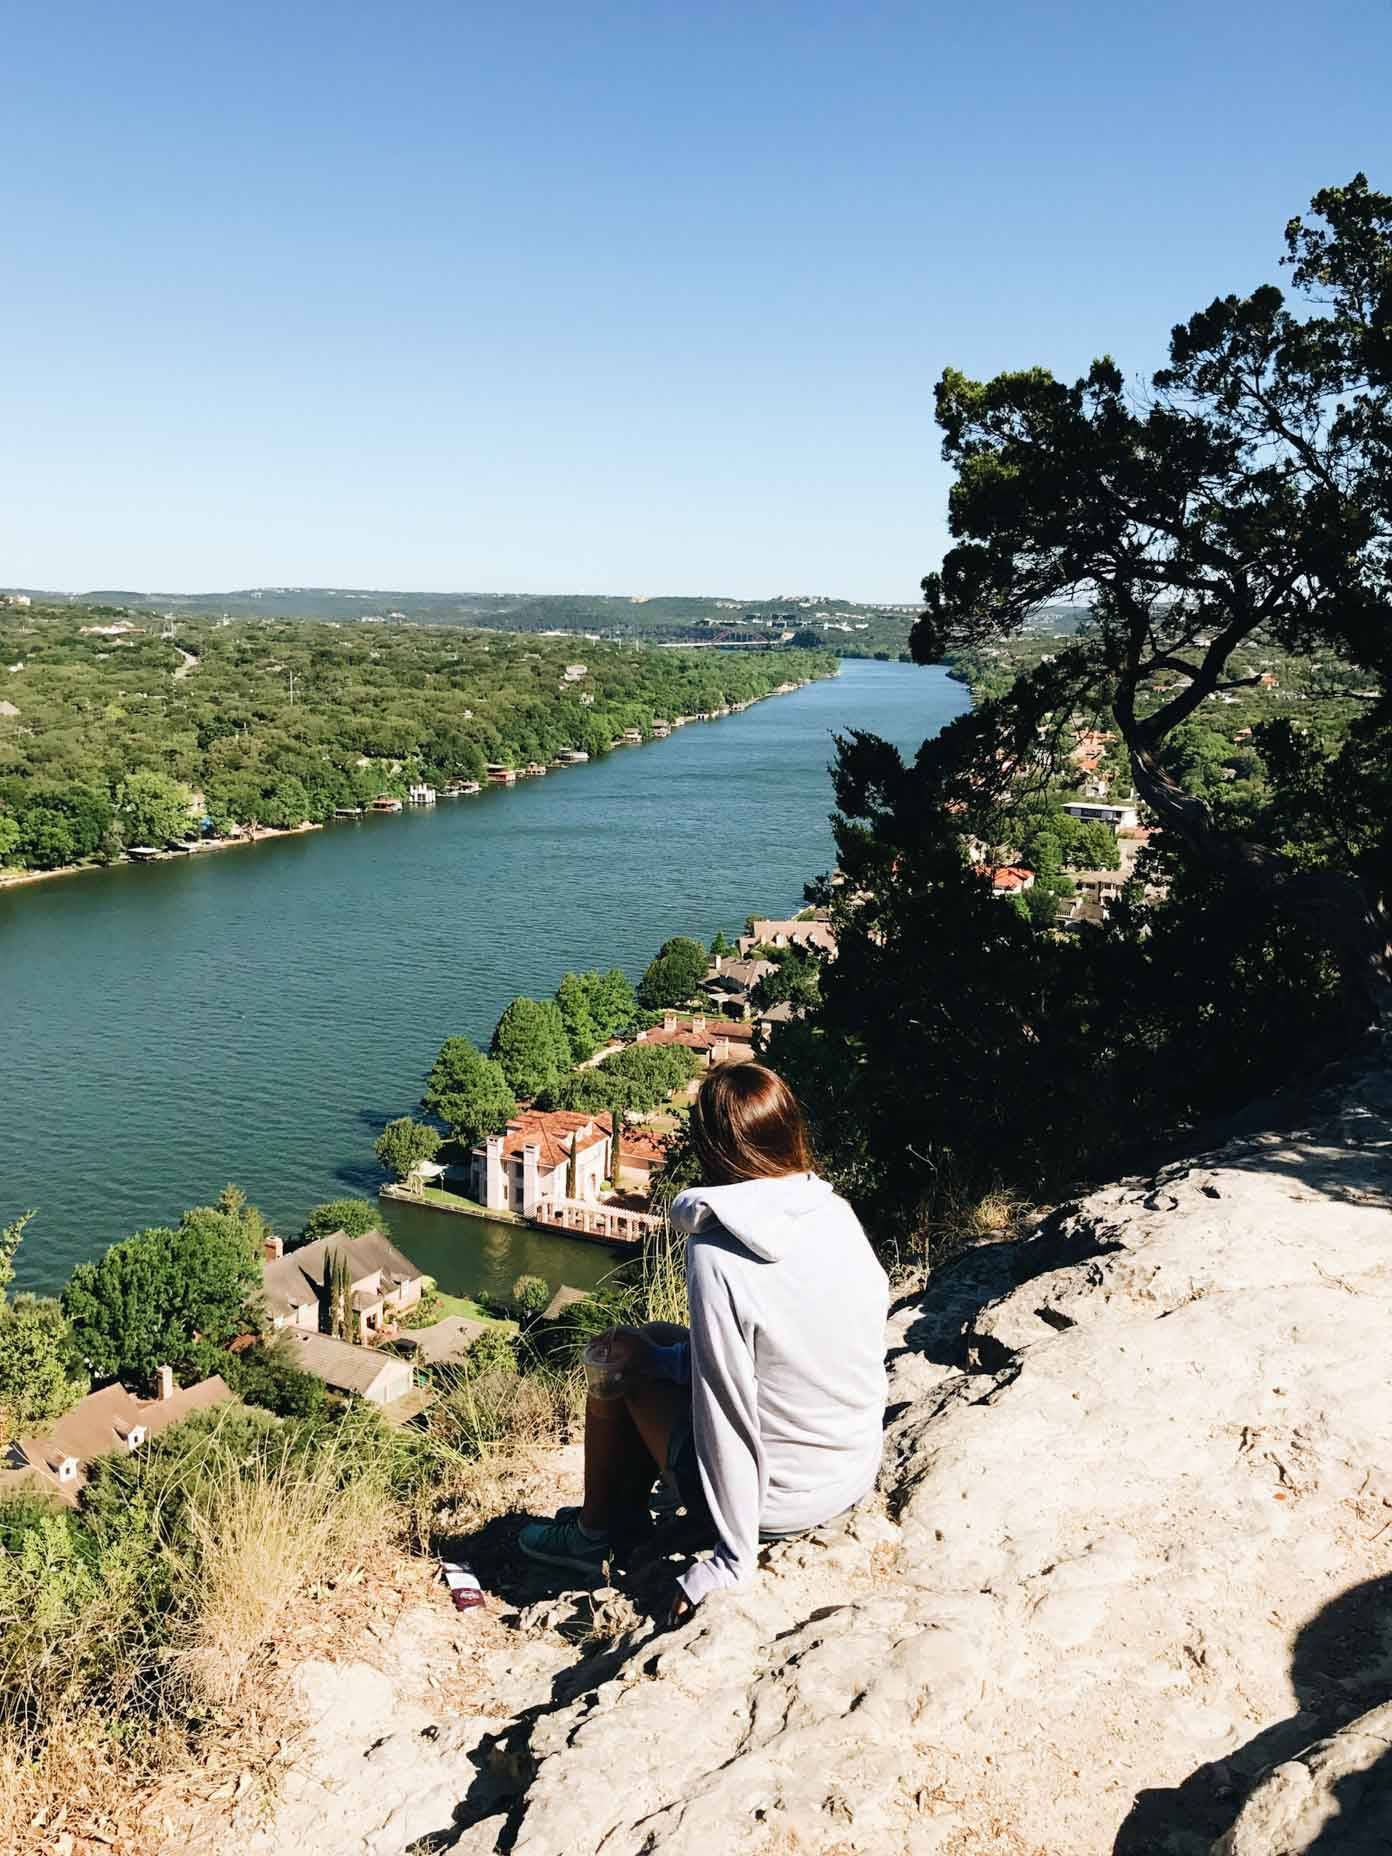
(747, 1124)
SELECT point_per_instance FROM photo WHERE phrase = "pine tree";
(340, 1290)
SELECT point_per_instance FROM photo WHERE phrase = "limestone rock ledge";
(1133, 1553)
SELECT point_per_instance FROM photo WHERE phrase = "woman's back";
(788, 1317)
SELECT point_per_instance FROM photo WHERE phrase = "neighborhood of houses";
(297, 1296)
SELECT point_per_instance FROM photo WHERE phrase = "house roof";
(713, 1032)
(735, 975)
(1006, 877)
(641, 1148)
(552, 1131)
(781, 1014)
(564, 1298)
(341, 1365)
(300, 1276)
(104, 1420)
(446, 1339)
(814, 933)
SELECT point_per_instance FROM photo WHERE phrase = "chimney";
(164, 1378)
(275, 1249)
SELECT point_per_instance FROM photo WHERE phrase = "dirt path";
(190, 663)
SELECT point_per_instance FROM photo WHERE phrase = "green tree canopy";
(148, 1300)
(268, 1376)
(355, 1216)
(958, 1049)
(152, 808)
(404, 1142)
(531, 1294)
(531, 1046)
(1245, 495)
(673, 976)
(469, 1092)
(573, 1004)
(798, 980)
(40, 1374)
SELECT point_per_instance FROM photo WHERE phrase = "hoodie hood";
(767, 1216)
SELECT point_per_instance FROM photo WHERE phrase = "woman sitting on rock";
(767, 1416)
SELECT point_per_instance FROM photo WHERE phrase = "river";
(257, 1014)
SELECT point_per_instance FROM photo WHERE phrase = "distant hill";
(851, 627)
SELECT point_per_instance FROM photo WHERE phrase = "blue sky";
(616, 298)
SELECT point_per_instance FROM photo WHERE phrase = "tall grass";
(128, 1623)
(150, 1604)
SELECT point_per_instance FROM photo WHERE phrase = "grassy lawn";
(466, 1305)
(439, 1195)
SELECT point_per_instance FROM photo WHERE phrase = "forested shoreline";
(119, 729)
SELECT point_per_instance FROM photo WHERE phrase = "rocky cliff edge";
(1128, 1587)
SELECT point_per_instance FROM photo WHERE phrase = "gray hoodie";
(788, 1309)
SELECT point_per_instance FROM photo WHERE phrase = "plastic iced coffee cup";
(608, 1368)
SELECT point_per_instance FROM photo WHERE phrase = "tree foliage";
(531, 1048)
(468, 1091)
(639, 1077)
(152, 808)
(1246, 494)
(147, 1301)
(404, 1142)
(594, 1008)
(531, 1294)
(674, 974)
(112, 744)
(355, 1217)
(1244, 498)
(40, 1374)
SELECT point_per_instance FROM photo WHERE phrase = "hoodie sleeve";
(725, 1420)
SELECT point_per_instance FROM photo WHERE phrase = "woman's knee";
(665, 1333)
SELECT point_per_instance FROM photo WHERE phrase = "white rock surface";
(1135, 1551)
(1126, 1488)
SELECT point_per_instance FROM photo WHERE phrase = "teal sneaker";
(561, 1543)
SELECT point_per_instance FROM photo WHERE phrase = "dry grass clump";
(128, 1626)
(257, 1539)
(83, 1793)
(957, 1219)
(490, 1433)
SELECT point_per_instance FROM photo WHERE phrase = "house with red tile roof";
(530, 1161)
(716, 1040)
(641, 1155)
(1007, 879)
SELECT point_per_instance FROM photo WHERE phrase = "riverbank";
(15, 879)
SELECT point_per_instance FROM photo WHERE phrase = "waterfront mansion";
(541, 1157)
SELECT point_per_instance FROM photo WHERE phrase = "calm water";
(256, 1015)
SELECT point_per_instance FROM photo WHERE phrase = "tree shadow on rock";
(1341, 1666)
(944, 1329)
